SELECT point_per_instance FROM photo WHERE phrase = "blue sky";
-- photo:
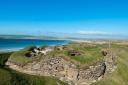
(64, 17)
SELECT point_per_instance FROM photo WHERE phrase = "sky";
(64, 17)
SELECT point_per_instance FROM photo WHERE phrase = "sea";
(7, 45)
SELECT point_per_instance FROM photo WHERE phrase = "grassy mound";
(19, 56)
(89, 54)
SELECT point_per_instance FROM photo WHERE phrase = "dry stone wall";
(67, 71)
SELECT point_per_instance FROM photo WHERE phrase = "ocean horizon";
(17, 44)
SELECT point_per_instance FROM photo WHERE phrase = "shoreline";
(8, 45)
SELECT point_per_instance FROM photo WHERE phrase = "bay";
(16, 44)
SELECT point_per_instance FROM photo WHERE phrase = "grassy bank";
(11, 77)
(120, 76)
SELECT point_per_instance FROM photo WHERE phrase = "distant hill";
(25, 37)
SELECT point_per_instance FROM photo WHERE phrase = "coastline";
(9, 45)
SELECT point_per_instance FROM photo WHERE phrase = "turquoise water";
(16, 44)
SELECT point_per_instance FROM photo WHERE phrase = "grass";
(4, 57)
(19, 56)
(90, 54)
(11, 77)
(120, 76)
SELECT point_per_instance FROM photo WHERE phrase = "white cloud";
(93, 33)
(85, 33)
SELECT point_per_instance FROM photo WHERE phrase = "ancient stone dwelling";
(66, 71)
(35, 51)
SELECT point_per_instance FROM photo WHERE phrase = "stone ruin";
(38, 50)
(66, 71)
(61, 47)
(74, 53)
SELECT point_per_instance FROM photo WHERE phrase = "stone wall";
(66, 71)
